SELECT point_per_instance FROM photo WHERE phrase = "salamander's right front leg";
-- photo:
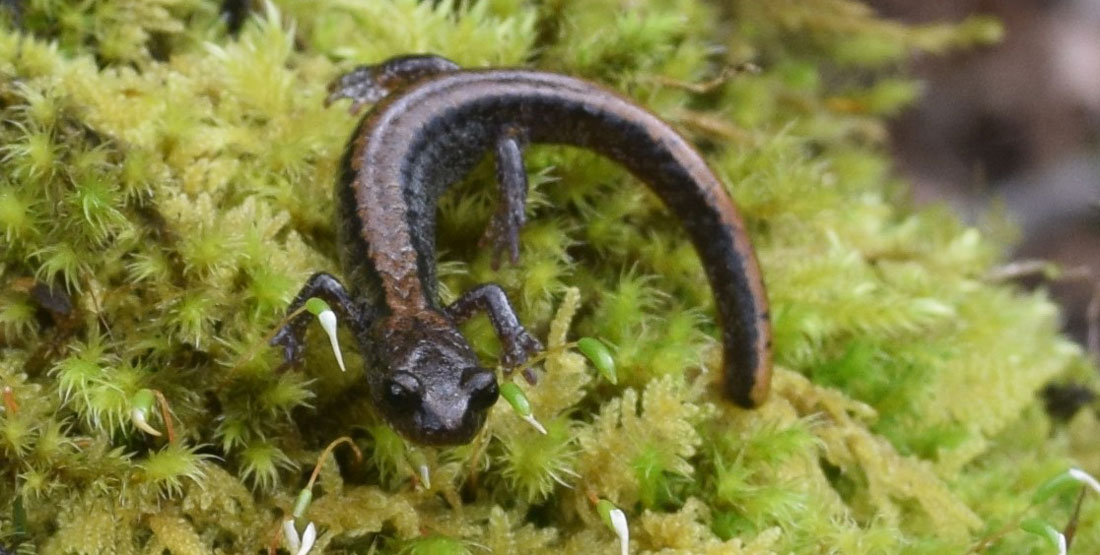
(327, 288)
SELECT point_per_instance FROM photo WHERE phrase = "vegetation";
(173, 181)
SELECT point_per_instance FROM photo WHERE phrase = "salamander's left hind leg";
(370, 83)
(502, 234)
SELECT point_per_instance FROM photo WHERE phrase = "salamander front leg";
(506, 223)
(490, 298)
(370, 83)
(325, 287)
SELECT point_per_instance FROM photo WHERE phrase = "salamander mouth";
(442, 439)
(425, 430)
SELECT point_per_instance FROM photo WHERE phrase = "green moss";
(176, 182)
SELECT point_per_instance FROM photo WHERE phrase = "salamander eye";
(401, 390)
(482, 385)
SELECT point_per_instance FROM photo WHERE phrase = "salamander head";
(434, 392)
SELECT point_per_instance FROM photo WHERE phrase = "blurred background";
(1016, 127)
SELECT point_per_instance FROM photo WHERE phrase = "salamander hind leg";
(490, 298)
(370, 83)
(326, 287)
(502, 234)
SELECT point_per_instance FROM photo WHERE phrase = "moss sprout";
(168, 184)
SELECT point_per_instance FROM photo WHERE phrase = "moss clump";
(173, 183)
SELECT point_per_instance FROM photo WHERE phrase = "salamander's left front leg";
(490, 298)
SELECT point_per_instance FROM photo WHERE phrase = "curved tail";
(662, 159)
(697, 198)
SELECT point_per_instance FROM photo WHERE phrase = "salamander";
(430, 124)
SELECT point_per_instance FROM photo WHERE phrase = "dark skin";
(431, 124)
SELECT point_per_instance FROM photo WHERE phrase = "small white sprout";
(1085, 478)
(299, 546)
(615, 519)
(327, 318)
(302, 546)
(291, 535)
(618, 523)
(137, 416)
(518, 400)
(419, 462)
(425, 476)
(530, 419)
(1041, 528)
(328, 322)
(142, 403)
